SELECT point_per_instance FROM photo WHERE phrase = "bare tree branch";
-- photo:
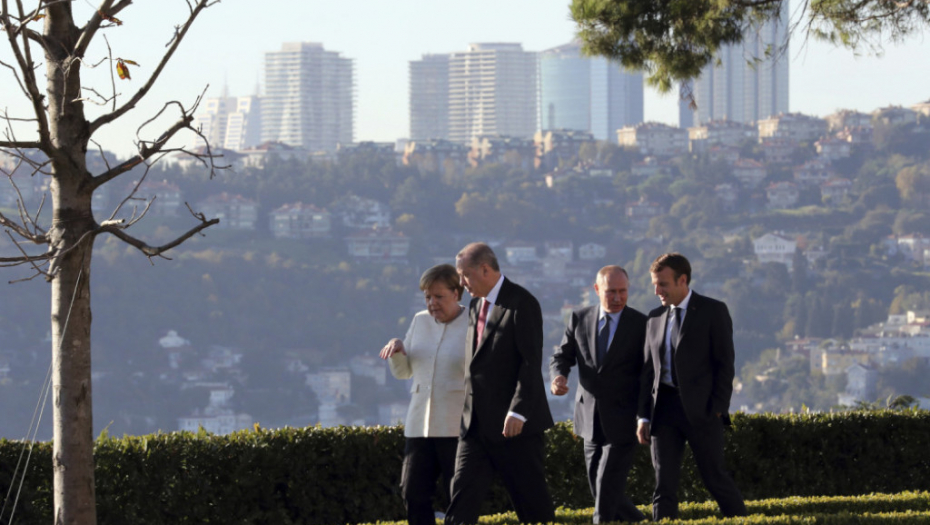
(157, 251)
(29, 83)
(173, 46)
(90, 28)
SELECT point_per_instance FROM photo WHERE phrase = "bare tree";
(56, 126)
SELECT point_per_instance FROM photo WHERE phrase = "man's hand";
(642, 433)
(512, 427)
(394, 346)
(559, 385)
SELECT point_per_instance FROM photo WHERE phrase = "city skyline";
(225, 49)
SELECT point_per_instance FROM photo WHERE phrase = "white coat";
(436, 361)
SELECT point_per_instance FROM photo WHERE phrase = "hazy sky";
(227, 45)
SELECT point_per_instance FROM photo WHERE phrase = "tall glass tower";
(587, 94)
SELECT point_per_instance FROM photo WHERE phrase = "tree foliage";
(674, 39)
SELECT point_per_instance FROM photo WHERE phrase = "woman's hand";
(394, 346)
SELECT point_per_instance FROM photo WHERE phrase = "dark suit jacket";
(504, 374)
(703, 360)
(610, 388)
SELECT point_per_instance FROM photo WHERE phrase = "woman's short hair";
(445, 274)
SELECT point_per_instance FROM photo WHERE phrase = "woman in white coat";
(433, 355)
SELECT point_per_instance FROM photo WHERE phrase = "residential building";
(835, 190)
(492, 90)
(894, 115)
(592, 251)
(861, 384)
(777, 248)
(309, 97)
(749, 81)
(782, 195)
(518, 253)
(218, 417)
(584, 93)
(847, 118)
(832, 148)
(436, 156)
(728, 195)
(750, 173)
(369, 366)
(835, 361)
(650, 166)
(331, 385)
(255, 157)
(379, 245)
(794, 126)
(922, 108)
(720, 133)
(778, 150)
(514, 152)
(643, 211)
(429, 98)
(813, 173)
(300, 221)
(164, 197)
(654, 138)
(362, 214)
(235, 212)
(554, 146)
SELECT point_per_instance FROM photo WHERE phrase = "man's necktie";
(482, 320)
(675, 319)
(603, 336)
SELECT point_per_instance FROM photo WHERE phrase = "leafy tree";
(674, 39)
(58, 148)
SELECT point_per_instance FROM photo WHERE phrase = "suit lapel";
(614, 348)
(691, 315)
(590, 324)
(495, 315)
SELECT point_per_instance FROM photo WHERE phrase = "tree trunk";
(71, 194)
(72, 460)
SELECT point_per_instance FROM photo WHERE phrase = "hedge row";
(908, 507)
(350, 474)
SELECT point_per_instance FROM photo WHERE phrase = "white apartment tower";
(244, 125)
(429, 98)
(747, 82)
(211, 118)
(309, 97)
(492, 91)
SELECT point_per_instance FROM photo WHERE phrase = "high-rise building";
(749, 81)
(587, 94)
(309, 97)
(244, 125)
(211, 119)
(492, 91)
(429, 97)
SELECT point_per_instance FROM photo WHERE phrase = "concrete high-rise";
(309, 97)
(244, 125)
(492, 91)
(747, 82)
(587, 94)
(429, 98)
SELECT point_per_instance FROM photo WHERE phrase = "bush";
(350, 474)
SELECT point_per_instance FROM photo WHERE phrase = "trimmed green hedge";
(350, 474)
(907, 507)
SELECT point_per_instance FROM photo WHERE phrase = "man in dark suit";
(506, 411)
(606, 342)
(686, 387)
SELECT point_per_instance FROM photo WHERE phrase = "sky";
(225, 48)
